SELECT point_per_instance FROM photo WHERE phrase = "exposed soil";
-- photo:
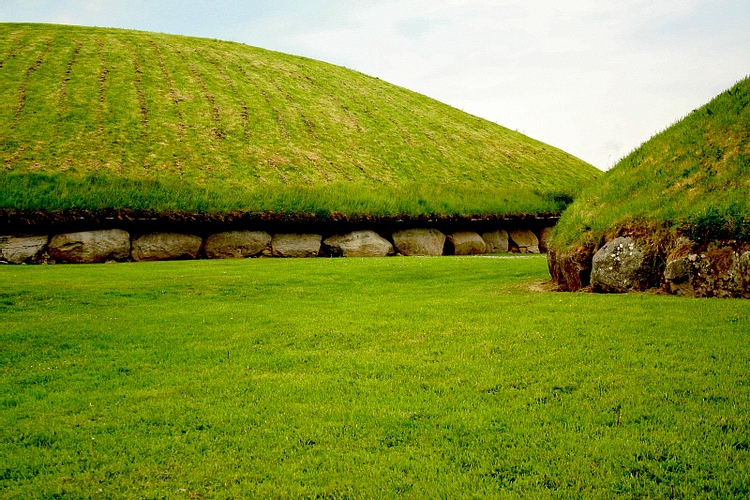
(141, 221)
(543, 286)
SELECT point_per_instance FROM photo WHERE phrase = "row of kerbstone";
(118, 245)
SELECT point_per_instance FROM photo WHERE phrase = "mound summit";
(109, 121)
(675, 213)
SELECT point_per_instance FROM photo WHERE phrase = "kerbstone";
(622, 265)
(525, 240)
(89, 247)
(22, 249)
(419, 242)
(296, 245)
(236, 244)
(467, 243)
(359, 244)
(166, 246)
(497, 241)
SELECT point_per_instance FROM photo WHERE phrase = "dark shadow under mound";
(30, 222)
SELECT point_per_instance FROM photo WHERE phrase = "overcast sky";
(593, 77)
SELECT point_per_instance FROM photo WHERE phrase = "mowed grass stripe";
(416, 377)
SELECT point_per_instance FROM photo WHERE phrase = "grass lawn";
(396, 377)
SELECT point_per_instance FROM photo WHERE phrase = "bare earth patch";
(542, 286)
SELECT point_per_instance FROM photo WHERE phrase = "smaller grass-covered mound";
(99, 119)
(692, 180)
(694, 176)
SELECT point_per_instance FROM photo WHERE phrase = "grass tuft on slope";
(96, 118)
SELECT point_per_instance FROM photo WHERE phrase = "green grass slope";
(100, 118)
(693, 178)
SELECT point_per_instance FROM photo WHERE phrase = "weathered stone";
(497, 241)
(90, 246)
(571, 269)
(359, 244)
(525, 240)
(22, 249)
(166, 246)
(296, 245)
(715, 269)
(745, 264)
(678, 270)
(236, 244)
(419, 242)
(545, 238)
(621, 265)
(720, 271)
(677, 277)
(466, 243)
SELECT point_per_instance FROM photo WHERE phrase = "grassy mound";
(100, 118)
(693, 179)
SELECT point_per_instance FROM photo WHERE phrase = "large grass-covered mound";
(97, 119)
(692, 179)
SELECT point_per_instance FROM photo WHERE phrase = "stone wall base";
(118, 245)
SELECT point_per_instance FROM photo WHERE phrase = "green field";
(94, 119)
(364, 378)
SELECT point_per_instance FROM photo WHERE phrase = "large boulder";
(296, 245)
(359, 244)
(570, 269)
(466, 243)
(22, 249)
(236, 244)
(623, 264)
(497, 241)
(545, 238)
(525, 240)
(90, 246)
(419, 242)
(166, 246)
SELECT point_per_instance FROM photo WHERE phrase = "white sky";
(593, 77)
